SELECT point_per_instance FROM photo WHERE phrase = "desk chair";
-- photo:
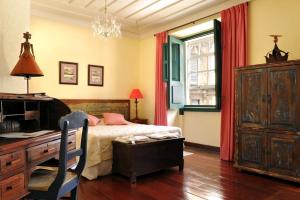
(50, 183)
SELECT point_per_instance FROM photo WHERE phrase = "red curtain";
(234, 53)
(160, 86)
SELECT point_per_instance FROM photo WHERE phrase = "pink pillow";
(93, 121)
(114, 119)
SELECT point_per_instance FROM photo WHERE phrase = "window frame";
(218, 78)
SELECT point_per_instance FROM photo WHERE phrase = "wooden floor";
(204, 177)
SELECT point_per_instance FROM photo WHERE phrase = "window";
(200, 71)
(192, 68)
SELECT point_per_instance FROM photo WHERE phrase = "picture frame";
(68, 73)
(95, 75)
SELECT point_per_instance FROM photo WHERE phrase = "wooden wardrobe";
(267, 125)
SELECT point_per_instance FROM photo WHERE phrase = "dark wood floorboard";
(205, 177)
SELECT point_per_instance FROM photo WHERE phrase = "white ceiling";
(136, 16)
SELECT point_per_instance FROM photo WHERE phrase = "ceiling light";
(106, 26)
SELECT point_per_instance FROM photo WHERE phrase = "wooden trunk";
(267, 121)
(134, 160)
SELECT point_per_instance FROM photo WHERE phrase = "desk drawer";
(41, 152)
(12, 161)
(13, 187)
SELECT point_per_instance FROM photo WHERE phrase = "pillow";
(114, 119)
(93, 121)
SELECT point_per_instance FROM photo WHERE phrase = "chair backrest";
(73, 120)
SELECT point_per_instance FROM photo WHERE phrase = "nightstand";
(139, 121)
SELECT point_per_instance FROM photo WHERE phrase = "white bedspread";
(100, 138)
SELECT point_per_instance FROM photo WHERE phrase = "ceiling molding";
(160, 10)
(74, 21)
(190, 7)
(124, 7)
(139, 20)
(140, 10)
(195, 16)
(108, 5)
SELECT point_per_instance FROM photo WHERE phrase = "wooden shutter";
(176, 87)
(166, 62)
(218, 62)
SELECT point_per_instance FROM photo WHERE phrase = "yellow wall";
(202, 127)
(12, 27)
(147, 77)
(56, 41)
(268, 17)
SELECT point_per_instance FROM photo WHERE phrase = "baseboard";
(202, 146)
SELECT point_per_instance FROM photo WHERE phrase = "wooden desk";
(19, 157)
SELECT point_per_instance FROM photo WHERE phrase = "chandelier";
(105, 25)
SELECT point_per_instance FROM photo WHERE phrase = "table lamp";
(136, 94)
(26, 66)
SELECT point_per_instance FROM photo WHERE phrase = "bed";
(100, 137)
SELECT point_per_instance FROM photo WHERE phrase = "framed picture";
(68, 73)
(95, 75)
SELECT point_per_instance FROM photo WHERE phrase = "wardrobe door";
(251, 98)
(284, 154)
(251, 151)
(283, 97)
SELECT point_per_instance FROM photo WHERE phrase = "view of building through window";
(200, 71)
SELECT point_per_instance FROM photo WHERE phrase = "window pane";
(204, 46)
(200, 67)
(203, 63)
(194, 50)
(202, 77)
(211, 78)
(211, 45)
(211, 62)
(193, 64)
(193, 78)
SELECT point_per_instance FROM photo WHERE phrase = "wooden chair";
(50, 183)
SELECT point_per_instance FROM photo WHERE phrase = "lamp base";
(27, 78)
(136, 108)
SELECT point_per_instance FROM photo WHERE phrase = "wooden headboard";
(98, 106)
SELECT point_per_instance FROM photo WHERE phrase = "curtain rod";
(191, 22)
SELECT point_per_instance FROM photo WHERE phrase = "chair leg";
(74, 194)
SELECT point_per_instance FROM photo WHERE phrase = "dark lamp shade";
(136, 94)
(26, 66)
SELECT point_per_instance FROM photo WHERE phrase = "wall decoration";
(68, 73)
(276, 55)
(95, 75)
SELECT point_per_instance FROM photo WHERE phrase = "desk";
(19, 157)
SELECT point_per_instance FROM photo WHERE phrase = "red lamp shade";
(26, 65)
(136, 94)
